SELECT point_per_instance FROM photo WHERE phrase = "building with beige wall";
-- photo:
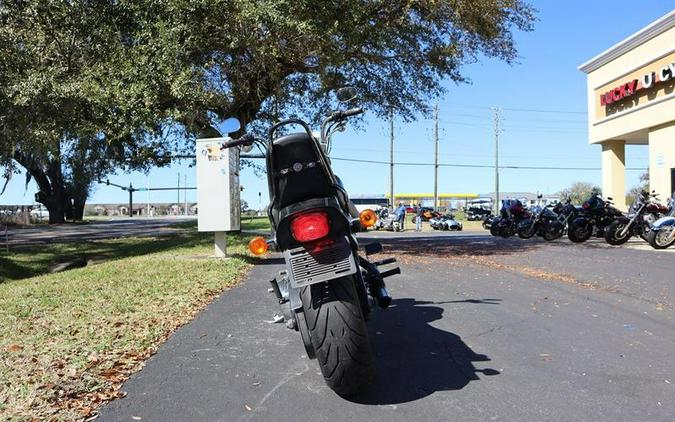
(631, 100)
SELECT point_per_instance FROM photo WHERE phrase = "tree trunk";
(50, 183)
(78, 207)
(56, 207)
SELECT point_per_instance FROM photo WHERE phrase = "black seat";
(288, 186)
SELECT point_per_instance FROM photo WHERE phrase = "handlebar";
(347, 113)
(246, 139)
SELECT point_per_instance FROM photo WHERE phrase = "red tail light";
(310, 226)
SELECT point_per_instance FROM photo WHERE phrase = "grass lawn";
(255, 223)
(69, 339)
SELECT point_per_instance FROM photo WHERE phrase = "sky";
(543, 117)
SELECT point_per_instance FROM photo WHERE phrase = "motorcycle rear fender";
(339, 222)
(663, 222)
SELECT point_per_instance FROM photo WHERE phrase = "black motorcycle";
(643, 213)
(325, 288)
(539, 224)
(566, 213)
(597, 215)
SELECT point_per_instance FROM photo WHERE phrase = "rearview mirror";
(230, 125)
(346, 94)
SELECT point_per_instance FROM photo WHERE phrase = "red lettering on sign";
(632, 86)
(616, 94)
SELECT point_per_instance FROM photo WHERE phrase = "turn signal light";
(310, 226)
(257, 246)
(367, 217)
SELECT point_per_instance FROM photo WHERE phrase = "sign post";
(218, 191)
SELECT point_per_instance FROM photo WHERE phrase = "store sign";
(633, 87)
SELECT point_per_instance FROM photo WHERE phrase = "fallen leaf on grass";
(15, 347)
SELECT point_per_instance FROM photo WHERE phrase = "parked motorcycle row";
(647, 218)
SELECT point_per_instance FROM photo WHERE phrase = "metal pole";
(436, 161)
(496, 123)
(391, 158)
(178, 196)
(148, 197)
(131, 201)
(185, 194)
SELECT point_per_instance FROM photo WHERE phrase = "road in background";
(95, 230)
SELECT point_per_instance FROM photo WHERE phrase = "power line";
(528, 110)
(403, 163)
(453, 154)
(534, 110)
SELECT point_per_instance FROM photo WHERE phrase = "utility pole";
(496, 124)
(178, 196)
(391, 158)
(436, 160)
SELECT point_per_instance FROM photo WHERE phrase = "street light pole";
(131, 200)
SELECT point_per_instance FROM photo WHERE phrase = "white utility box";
(218, 193)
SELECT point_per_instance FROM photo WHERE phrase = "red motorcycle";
(512, 213)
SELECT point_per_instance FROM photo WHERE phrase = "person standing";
(418, 218)
(400, 215)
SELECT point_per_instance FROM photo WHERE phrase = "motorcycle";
(645, 211)
(324, 290)
(662, 233)
(511, 214)
(597, 214)
(538, 225)
(445, 222)
(386, 220)
(566, 212)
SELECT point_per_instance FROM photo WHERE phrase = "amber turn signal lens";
(257, 246)
(367, 217)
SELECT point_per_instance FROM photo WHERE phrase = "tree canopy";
(87, 87)
(578, 192)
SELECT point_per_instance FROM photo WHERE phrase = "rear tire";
(612, 233)
(660, 239)
(526, 232)
(338, 333)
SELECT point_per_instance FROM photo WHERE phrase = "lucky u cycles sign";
(633, 87)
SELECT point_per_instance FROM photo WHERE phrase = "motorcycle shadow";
(415, 359)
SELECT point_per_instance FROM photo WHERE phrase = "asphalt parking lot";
(480, 329)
